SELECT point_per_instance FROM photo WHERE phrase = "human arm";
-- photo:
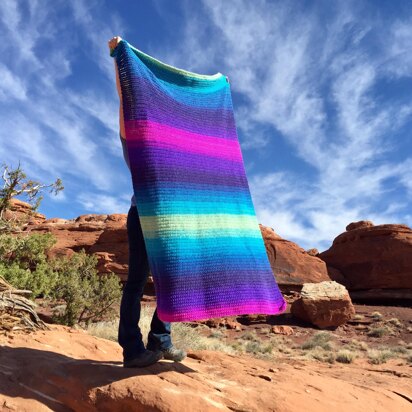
(112, 45)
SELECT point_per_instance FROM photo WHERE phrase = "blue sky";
(321, 93)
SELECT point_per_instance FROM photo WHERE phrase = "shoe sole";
(136, 363)
(174, 359)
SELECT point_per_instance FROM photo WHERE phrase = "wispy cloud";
(57, 121)
(11, 86)
(102, 203)
(313, 73)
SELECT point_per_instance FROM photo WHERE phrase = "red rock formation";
(104, 235)
(66, 369)
(291, 264)
(373, 257)
(19, 209)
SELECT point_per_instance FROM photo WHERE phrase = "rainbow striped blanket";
(204, 245)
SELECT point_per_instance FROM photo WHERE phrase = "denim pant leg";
(159, 336)
(129, 334)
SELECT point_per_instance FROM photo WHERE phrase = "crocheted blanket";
(205, 249)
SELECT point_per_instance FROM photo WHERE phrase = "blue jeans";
(129, 334)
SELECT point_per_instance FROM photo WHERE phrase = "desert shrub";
(399, 349)
(256, 347)
(14, 274)
(395, 322)
(216, 334)
(252, 346)
(322, 355)
(24, 264)
(320, 339)
(345, 356)
(75, 280)
(376, 315)
(355, 344)
(378, 332)
(87, 295)
(250, 335)
(377, 357)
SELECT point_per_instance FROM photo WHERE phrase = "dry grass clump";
(378, 356)
(250, 335)
(104, 329)
(216, 333)
(250, 342)
(259, 347)
(109, 330)
(345, 356)
(320, 347)
(395, 322)
(376, 315)
(379, 331)
(358, 345)
(321, 354)
(319, 339)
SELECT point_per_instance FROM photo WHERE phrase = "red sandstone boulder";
(373, 257)
(324, 304)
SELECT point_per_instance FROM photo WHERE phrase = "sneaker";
(174, 354)
(144, 359)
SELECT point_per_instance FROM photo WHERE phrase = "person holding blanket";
(159, 343)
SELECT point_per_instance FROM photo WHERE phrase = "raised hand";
(113, 42)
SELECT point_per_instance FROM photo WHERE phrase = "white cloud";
(315, 83)
(102, 203)
(95, 34)
(11, 85)
(55, 128)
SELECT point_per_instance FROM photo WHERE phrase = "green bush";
(23, 262)
(87, 295)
